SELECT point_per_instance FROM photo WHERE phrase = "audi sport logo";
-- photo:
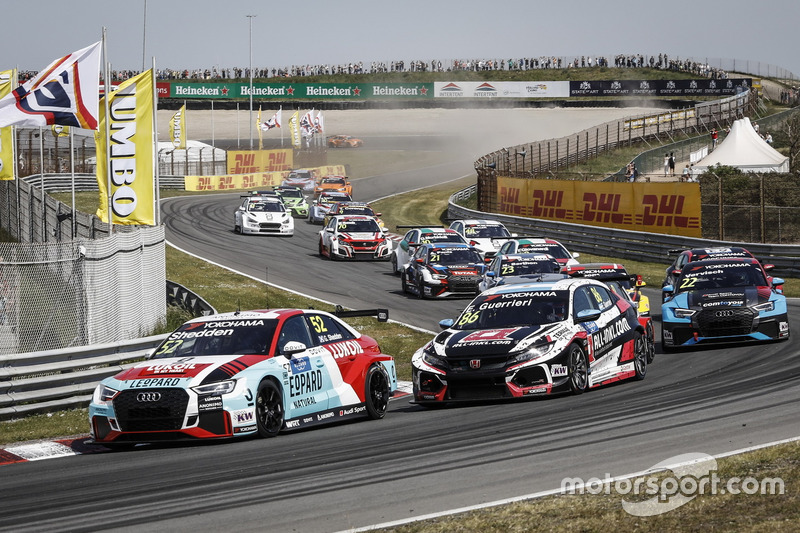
(723, 314)
(475, 363)
(148, 397)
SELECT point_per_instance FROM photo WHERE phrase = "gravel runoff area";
(482, 130)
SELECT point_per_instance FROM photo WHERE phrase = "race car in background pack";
(443, 269)
(420, 235)
(518, 268)
(485, 235)
(537, 245)
(263, 215)
(294, 200)
(354, 237)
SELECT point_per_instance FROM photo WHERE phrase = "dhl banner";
(251, 181)
(671, 208)
(132, 168)
(253, 161)
(7, 80)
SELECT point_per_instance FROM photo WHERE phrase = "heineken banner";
(296, 91)
(688, 88)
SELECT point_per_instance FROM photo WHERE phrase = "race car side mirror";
(293, 347)
(768, 266)
(446, 323)
(778, 281)
(491, 274)
(587, 315)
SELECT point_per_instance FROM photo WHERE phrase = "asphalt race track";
(415, 461)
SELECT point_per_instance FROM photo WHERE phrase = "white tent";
(744, 149)
(195, 150)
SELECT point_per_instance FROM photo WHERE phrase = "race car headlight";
(683, 313)
(220, 387)
(438, 276)
(342, 240)
(765, 307)
(432, 359)
(534, 352)
(103, 394)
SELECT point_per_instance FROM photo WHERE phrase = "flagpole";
(41, 184)
(157, 171)
(107, 131)
(73, 226)
(18, 178)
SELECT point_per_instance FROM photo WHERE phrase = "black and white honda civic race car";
(532, 339)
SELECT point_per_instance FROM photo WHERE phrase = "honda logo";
(148, 397)
(723, 314)
(475, 363)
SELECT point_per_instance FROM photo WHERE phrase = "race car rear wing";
(381, 314)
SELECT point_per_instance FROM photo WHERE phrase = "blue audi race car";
(723, 300)
(246, 373)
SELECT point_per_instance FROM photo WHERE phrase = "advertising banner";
(670, 208)
(298, 91)
(687, 88)
(251, 161)
(501, 89)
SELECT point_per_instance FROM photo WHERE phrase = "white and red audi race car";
(530, 339)
(246, 373)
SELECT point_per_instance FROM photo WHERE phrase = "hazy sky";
(203, 33)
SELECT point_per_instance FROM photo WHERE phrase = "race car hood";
(733, 297)
(362, 236)
(190, 370)
(265, 216)
(472, 343)
(292, 202)
(527, 278)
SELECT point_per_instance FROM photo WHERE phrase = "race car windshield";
(335, 181)
(271, 207)
(520, 268)
(359, 226)
(220, 337)
(454, 256)
(514, 310)
(440, 237)
(486, 232)
(291, 193)
(358, 211)
(550, 249)
(712, 277)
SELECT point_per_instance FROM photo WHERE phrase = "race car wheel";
(376, 392)
(321, 249)
(403, 282)
(640, 355)
(269, 409)
(237, 229)
(420, 289)
(395, 270)
(578, 369)
(650, 335)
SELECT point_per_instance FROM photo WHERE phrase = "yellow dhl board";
(252, 181)
(671, 208)
(255, 161)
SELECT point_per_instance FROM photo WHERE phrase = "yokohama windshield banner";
(670, 208)
(699, 87)
(132, 170)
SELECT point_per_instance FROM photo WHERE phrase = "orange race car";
(344, 141)
(334, 183)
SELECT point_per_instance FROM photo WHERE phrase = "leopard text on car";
(294, 200)
(420, 235)
(485, 235)
(322, 205)
(246, 373)
(303, 178)
(538, 245)
(624, 285)
(723, 300)
(263, 215)
(442, 270)
(354, 237)
(532, 339)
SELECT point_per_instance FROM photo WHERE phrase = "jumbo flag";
(177, 128)
(65, 92)
(294, 130)
(307, 124)
(131, 168)
(274, 122)
(7, 80)
(318, 123)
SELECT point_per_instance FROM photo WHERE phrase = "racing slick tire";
(320, 249)
(269, 409)
(393, 259)
(420, 289)
(376, 392)
(578, 368)
(403, 282)
(641, 354)
(237, 229)
(650, 338)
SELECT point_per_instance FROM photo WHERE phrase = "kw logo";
(244, 164)
(602, 208)
(547, 204)
(666, 210)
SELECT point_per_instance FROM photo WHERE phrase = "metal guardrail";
(39, 382)
(625, 244)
